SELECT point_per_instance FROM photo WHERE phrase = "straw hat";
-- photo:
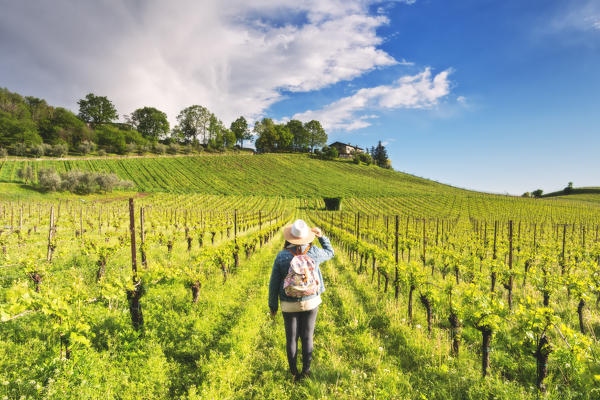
(298, 233)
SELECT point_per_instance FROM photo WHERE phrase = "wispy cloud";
(423, 90)
(579, 15)
(234, 56)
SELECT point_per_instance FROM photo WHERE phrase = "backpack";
(302, 278)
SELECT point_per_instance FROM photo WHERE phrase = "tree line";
(31, 127)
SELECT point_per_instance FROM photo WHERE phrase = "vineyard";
(434, 293)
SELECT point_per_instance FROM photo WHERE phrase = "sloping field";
(289, 175)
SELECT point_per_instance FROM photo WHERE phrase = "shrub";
(131, 148)
(332, 203)
(107, 182)
(49, 180)
(81, 182)
(102, 152)
(142, 148)
(362, 157)
(173, 148)
(77, 182)
(38, 150)
(159, 148)
(18, 149)
(26, 173)
(537, 193)
(3, 152)
(86, 147)
(327, 153)
(59, 150)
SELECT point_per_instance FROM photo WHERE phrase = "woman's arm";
(274, 284)
(325, 253)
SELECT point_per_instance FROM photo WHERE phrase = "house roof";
(346, 144)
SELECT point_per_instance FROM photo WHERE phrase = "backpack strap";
(299, 253)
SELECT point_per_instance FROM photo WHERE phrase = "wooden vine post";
(562, 257)
(142, 238)
(50, 234)
(81, 223)
(396, 283)
(134, 296)
(425, 244)
(494, 255)
(235, 226)
(510, 262)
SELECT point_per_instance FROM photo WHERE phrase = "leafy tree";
(193, 122)
(66, 127)
(537, 193)
(239, 127)
(215, 129)
(266, 140)
(112, 138)
(13, 131)
(272, 137)
(150, 122)
(316, 134)
(39, 110)
(300, 135)
(229, 138)
(569, 188)
(362, 157)
(380, 156)
(285, 138)
(96, 110)
(327, 153)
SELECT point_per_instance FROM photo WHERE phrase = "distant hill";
(582, 190)
(587, 194)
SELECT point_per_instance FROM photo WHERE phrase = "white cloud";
(413, 91)
(235, 57)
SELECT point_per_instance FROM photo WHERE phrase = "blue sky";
(499, 96)
(528, 85)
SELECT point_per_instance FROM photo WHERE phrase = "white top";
(297, 306)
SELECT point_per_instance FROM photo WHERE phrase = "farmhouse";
(346, 150)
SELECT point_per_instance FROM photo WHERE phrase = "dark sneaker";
(305, 375)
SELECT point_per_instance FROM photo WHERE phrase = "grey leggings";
(299, 324)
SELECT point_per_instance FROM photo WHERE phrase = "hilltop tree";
(272, 137)
(569, 188)
(316, 134)
(96, 110)
(537, 193)
(239, 127)
(380, 156)
(300, 135)
(193, 122)
(150, 122)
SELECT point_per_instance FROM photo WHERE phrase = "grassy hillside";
(288, 175)
(368, 189)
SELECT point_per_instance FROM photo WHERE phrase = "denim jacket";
(282, 265)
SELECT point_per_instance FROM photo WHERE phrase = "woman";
(299, 313)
